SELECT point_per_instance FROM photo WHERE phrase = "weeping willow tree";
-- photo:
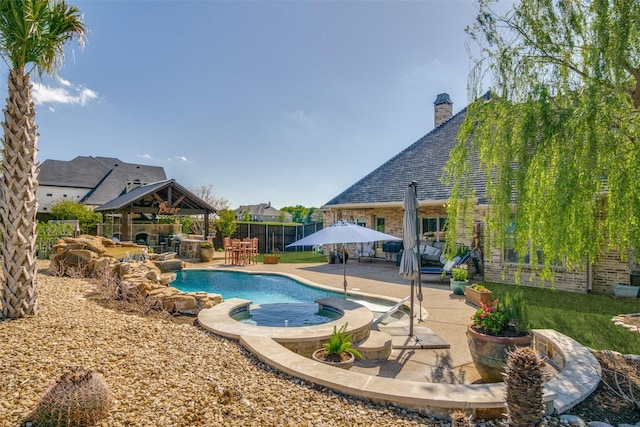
(558, 138)
(33, 34)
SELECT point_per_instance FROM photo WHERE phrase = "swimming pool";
(276, 300)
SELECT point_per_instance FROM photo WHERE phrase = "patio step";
(376, 347)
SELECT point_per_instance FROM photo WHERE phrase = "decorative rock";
(169, 265)
(153, 275)
(80, 256)
(185, 304)
(600, 424)
(96, 246)
(166, 278)
(572, 420)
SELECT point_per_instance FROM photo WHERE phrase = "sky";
(287, 102)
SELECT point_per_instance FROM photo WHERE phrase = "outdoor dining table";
(241, 254)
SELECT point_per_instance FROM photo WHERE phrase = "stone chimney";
(442, 108)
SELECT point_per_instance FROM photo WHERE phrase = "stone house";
(375, 201)
(262, 212)
(92, 181)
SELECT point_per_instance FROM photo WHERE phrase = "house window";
(510, 253)
(380, 224)
(361, 222)
(433, 228)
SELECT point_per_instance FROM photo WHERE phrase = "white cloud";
(145, 155)
(67, 94)
(179, 158)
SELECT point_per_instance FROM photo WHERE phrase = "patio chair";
(228, 250)
(366, 250)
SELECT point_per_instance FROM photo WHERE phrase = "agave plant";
(339, 342)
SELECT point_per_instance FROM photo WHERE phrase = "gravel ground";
(161, 373)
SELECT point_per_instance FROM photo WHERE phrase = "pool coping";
(301, 339)
(579, 377)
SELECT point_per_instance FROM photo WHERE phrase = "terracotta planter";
(457, 286)
(271, 259)
(476, 297)
(489, 353)
(206, 254)
(346, 363)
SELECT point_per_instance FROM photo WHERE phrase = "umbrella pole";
(418, 256)
(344, 271)
(411, 312)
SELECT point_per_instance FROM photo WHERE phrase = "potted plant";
(497, 328)
(338, 351)
(206, 251)
(459, 280)
(476, 294)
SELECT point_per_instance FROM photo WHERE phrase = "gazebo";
(158, 198)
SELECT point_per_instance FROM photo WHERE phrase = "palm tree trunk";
(18, 203)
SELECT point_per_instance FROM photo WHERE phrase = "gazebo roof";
(163, 198)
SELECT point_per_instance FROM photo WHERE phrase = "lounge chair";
(445, 270)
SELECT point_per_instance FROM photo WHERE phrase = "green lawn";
(584, 317)
(297, 257)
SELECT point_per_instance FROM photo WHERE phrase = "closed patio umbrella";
(410, 263)
(343, 232)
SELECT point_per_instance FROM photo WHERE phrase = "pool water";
(258, 288)
(276, 300)
(286, 315)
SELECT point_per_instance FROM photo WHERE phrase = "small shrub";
(79, 398)
(459, 274)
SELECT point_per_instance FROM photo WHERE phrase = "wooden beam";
(177, 202)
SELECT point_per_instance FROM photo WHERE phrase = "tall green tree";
(226, 222)
(88, 220)
(558, 140)
(33, 34)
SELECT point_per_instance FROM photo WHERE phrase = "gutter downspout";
(589, 276)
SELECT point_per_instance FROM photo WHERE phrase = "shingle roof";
(81, 172)
(107, 176)
(189, 201)
(423, 162)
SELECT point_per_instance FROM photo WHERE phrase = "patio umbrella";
(343, 232)
(410, 264)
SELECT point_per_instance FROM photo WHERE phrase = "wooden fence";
(272, 237)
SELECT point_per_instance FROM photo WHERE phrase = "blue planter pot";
(457, 287)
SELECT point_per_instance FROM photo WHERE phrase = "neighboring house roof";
(262, 210)
(423, 162)
(151, 195)
(81, 172)
(107, 176)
